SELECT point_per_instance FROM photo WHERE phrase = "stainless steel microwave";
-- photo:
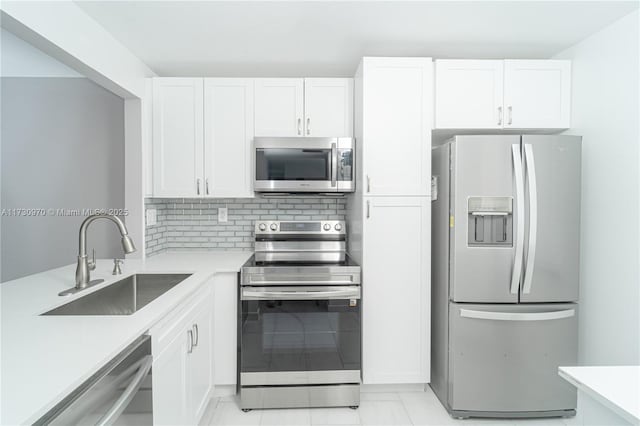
(305, 164)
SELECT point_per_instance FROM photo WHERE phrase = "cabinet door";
(328, 107)
(279, 106)
(537, 94)
(396, 290)
(228, 132)
(225, 317)
(169, 383)
(177, 137)
(200, 360)
(397, 126)
(469, 94)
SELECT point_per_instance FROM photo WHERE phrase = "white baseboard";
(393, 387)
(221, 391)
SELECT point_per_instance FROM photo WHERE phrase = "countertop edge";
(207, 274)
(124, 344)
(595, 394)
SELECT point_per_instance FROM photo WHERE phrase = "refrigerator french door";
(505, 317)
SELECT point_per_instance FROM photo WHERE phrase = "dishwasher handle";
(109, 418)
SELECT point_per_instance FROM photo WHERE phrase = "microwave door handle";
(334, 165)
(123, 401)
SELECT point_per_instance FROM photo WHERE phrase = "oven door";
(298, 335)
(303, 165)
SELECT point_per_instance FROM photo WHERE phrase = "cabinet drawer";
(180, 319)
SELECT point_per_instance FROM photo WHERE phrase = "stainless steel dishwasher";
(119, 393)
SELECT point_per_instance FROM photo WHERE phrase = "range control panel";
(320, 227)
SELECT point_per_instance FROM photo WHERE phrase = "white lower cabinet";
(182, 348)
(200, 360)
(169, 383)
(396, 290)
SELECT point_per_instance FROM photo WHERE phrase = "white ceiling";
(327, 38)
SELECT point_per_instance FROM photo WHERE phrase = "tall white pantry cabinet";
(390, 216)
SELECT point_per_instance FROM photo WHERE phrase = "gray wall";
(62, 148)
(192, 224)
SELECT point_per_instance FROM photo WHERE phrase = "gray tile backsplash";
(192, 223)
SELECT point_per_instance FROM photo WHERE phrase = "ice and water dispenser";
(490, 221)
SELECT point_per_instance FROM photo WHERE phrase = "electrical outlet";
(152, 217)
(222, 214)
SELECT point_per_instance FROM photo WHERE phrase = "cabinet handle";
(368, 209)
(499, 116)
(368, 184)
(196, 334)
(206, 186)
(198, 186)
(299, 126)
(308, 126)
(510, 109)
(190, 334)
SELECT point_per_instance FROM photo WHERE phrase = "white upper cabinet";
(177, 136)
(279, 107)
(203, 129)
(510, 94)
(228, 132)
(328, 107)
(469, 94)
(396, 126)
(537, 94)
(321, 107)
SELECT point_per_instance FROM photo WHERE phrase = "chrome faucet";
(83, 278)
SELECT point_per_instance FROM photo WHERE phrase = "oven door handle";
(303, 282)
(264, 294)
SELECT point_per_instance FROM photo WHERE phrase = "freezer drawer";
(505, 358)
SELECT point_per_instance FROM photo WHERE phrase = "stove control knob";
(338, 227)
(327, 227)
(262, 227)
(274, 227)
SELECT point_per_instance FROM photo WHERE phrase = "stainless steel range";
(299, 330)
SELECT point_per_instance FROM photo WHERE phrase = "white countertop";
(616, 387)
(44, 358)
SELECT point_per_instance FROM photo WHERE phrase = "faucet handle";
(92, 262)
(116, 266)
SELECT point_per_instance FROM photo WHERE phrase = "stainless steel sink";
(123, 297)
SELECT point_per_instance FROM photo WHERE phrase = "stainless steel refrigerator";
(505, 273)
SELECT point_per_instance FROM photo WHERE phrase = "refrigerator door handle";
(517, 316)
(519, 237)
(533, 218)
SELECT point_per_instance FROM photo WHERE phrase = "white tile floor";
(394, 408)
